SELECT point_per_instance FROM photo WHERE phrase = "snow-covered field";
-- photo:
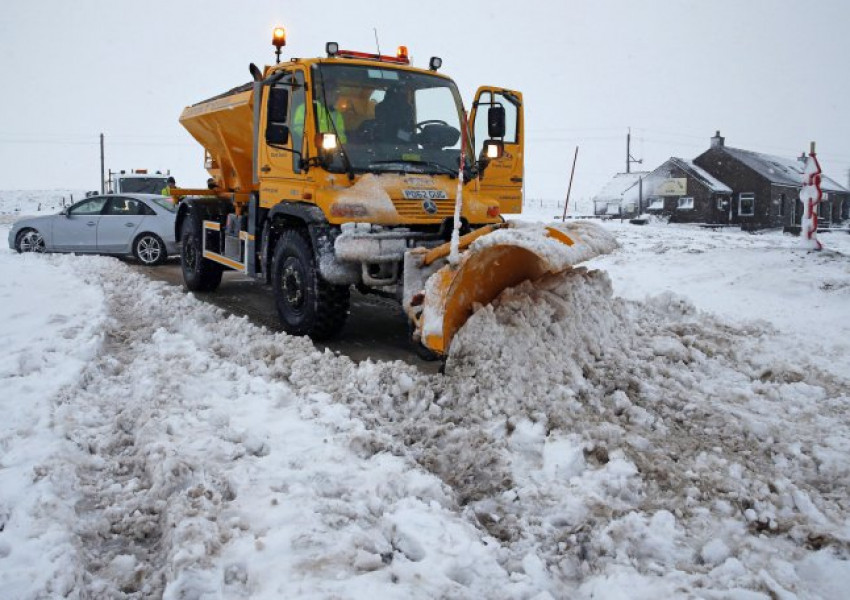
(670, 422)
(35, 202)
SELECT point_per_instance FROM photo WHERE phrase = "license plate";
(425, 195)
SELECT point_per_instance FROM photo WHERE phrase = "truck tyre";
(306, 303)
(199, 274)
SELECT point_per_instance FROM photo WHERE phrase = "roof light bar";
(398, 59)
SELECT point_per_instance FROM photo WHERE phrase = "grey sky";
(771, 75)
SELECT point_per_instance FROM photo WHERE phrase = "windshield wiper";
(404, 163)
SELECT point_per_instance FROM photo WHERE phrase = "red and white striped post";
(810, 197)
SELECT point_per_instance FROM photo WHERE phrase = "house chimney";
(717, 141)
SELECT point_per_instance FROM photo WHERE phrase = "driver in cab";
(328, 118)
(394, 116)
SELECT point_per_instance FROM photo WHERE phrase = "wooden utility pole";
(629, 158)
(570, 187)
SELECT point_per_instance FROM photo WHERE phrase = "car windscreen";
(165, 203)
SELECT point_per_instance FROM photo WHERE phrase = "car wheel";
(199, 274)
(306, 303)
(149, 249)
(29, 240)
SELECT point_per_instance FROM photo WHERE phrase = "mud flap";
(494, 262)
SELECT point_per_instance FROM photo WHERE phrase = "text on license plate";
(425, 195)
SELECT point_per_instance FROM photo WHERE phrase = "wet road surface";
(376, 328)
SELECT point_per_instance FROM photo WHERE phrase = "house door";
(723, 210)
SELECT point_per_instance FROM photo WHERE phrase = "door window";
(125, 207)
(92, 206)
(488, 100)
(286, 107)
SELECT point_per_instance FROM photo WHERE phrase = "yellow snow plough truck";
(360, 170)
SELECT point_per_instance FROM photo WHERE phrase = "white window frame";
(685, 203)
(746, 196)
(656, 204)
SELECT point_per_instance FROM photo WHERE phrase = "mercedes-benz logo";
(429, 206)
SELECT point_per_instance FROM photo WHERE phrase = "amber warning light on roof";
(401, 56)
(278, 41)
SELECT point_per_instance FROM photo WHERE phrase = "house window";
(656, 204)
(686, 203)
(630, 207)
(722, 203)
(613, 208)
(747, 204)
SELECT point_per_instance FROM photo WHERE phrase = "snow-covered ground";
(670, 422)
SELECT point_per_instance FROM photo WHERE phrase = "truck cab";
(326, 172)
(136, 181)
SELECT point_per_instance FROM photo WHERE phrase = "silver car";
(121, 224)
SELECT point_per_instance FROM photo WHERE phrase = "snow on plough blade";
(492, 259)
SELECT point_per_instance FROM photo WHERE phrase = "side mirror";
(277, 134)
(278, 104)
(496, 122)
(66, 212)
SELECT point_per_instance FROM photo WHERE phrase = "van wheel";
(199, 274)
(306, 303)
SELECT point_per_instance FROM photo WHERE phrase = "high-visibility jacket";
(324, 118)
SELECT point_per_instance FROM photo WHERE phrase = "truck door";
(502, 179)
(280, 161)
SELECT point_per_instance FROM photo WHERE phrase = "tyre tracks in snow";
(145, 506)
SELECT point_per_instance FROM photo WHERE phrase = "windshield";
(142, 185)
(388, 119)
(166, 203)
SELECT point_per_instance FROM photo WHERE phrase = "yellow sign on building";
(675, 186)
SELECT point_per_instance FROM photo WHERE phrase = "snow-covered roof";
(615, 189)
(701, 175)
(777, 169)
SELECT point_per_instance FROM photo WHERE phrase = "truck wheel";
(306, 303)
(199, 274)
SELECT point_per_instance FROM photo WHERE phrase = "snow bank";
(48, 335)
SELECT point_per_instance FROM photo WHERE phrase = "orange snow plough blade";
(492, 261)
